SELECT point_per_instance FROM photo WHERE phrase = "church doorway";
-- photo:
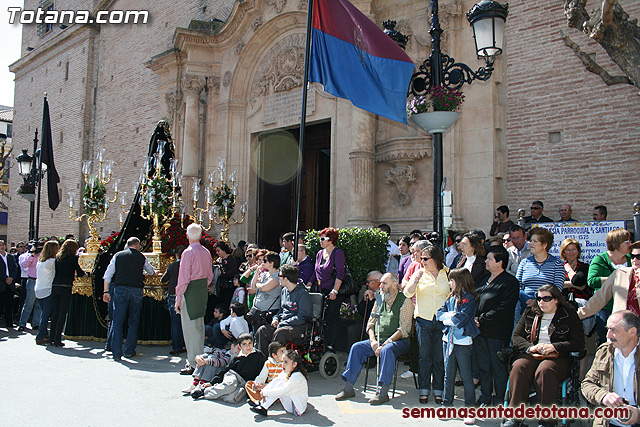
(277, 161)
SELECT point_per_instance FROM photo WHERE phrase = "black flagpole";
(303, 122)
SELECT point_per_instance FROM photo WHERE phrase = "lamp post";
(31, 168)
(487, 19)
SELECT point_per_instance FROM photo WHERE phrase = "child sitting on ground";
(229, 383)
(290, 387)
(271, 369)
(220, 312)
(209, 364)
(230, 328)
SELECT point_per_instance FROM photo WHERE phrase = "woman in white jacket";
(46, 271)
(290, 387)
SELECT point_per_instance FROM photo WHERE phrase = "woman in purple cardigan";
(328, 275)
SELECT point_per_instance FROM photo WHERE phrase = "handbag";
(534, 333)
(348, 286)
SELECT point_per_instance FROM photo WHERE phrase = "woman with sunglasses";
(328, 275)
(545, 335)
(430, 285)
(623, 287)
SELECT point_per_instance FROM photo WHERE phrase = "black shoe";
(21, 329)
(129, 356)
(198, 393)
(187, 371)
(34, 328)
(252, 403)
(458, 383)
(259, 410)
(174, 352)
(59, 344)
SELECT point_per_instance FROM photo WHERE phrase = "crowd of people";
(458, 310)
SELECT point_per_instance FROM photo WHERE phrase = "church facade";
(227, 76)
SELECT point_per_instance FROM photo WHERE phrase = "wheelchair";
(569, 393)
(311, 346)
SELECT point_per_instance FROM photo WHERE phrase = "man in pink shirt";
(194, 276)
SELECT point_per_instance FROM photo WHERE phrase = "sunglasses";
(249, 256)
(506, 240)
(545, 298)
(324, 239)
(635, 256)
(458, 240)
(425, 258)
(535, 208)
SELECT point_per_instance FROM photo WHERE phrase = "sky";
(11, 37)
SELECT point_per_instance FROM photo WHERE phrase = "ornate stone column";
(192, 85)
(362, 159)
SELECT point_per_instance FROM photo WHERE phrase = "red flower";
(464, 301)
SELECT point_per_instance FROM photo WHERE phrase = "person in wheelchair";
(543, 339)
(611, 381)
(388, 340)
(295, 312)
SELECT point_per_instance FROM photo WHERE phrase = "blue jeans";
(361, 351)
(601, 324)
(46, 305)
(30, 303)
(430, 357)
(460, 357)
(493, 373)
(177, 340)
(127, 305)
(107, 346)
(218, 340)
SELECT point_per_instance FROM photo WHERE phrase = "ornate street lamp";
(24, 164)
(31, 168)
(487, 19)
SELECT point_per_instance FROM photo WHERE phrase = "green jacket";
(601, 267)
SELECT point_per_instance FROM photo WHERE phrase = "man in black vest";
(126, 272)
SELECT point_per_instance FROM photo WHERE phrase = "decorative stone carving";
(278, 4)
(226, 79)
(173, 100)
(213, 83)
(281, 69)
(404, 149)
(239, 47)
(303, 5)
(401, 176)
(257, 23)
(193, 84)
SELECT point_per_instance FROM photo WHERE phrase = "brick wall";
(596, 161)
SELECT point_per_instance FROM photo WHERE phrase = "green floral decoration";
(221, 195)
(94, 196)
(364, 248)
(160, 190)
(26, 188)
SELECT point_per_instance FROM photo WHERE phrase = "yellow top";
(431, 294)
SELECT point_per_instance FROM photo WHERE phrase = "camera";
(35, 246)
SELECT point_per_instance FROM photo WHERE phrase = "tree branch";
(592, 66)
(576, 13)
(607, 12)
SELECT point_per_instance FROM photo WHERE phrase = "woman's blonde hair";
(49, 250)
(565, 243)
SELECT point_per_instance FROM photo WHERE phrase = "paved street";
(80, 385)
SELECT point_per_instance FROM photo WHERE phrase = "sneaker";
(259, 410)
(407, 374)
(129, 356)
(189, 389)
(187, 371)
(197, 394)
(344, 395)
(469, 421)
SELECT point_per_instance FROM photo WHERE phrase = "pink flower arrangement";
(439, 98)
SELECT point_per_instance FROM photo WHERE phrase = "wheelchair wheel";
(329, 364)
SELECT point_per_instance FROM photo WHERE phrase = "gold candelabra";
(221, 200)
(160, 198)
(95, 199)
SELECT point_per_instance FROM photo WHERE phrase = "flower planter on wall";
(29, 196)
(435, 121)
